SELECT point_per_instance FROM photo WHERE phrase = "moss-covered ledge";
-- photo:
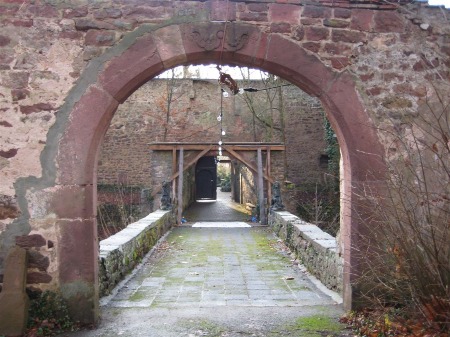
(121, 252)
(314, 248)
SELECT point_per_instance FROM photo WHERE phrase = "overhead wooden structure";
(230, 149)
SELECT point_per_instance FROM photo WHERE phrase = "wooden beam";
(247, 163)
(262, 204)
(214, 147)
(189, 164)
(180, 186)
(269, 188)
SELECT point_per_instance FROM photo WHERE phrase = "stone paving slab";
(221, 267)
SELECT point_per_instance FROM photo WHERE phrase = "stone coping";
(314, 248)
(121, 252)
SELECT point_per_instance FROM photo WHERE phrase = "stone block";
(14, 301)
(284, 13)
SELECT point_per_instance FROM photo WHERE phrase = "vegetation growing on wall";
(408, 263)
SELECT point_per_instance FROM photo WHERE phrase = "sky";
(446, 3)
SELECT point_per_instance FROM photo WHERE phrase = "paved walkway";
(223, 209)
(223, 282)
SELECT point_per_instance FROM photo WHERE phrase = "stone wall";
(121, 252)
(65, 67)
(315, 249)
(141, 120)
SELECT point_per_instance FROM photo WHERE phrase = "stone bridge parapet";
(121, 252)
(316, 250)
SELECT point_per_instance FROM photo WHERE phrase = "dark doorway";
(206, 178)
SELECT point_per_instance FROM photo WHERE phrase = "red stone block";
(84, 24)
(29, 109)
(339, 62)
(407, 89)
(311, 22)
(284, 13)
(78, 250)
(75, 12)
(317, 33)
(316, 12)
(257, 7)
(348, 36)
(4, 40)
(298, 33)
(366, 77)
(6, 125)
(335, 23)
(388, 22)
(280, 28)
(223, 11)
(8, 9)
(99, 38)
(389, 77)
(19, 22)
(19, 94)
(285, 64)
(30, 241)
(362, 20)
(312, 46)
(104, 13)
(337, 49)
(169, 45)
(147, 14)
(77, 152)
(128, 71)
(259, 17)
(36, 277)
(72, 201)
(375, 91)
(342, 13)
(45, 11)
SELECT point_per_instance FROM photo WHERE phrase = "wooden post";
(180, 186)
(269, 188)
(174, 170)
(262, 206)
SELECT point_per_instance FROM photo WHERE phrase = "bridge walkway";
(219, 281)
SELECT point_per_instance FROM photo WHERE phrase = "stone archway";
(145, 53)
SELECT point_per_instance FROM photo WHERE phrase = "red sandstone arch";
(141, 58)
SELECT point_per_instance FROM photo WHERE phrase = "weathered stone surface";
(121, 252)
(8, 207)
(37, 260)
(14, 300)
(86, 24)
(38, 277)
(315, 249)
(388, 22)
(347, 36)
(38, 107)
(284, 13)
(335, 23)
(99, 38)
(122, 75)
(362, 20)
(316, 33)
(4, 40)
(223, 11)
(8, 153)
(316, 12)
(30, 241)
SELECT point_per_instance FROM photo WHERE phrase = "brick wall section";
(139, 121)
